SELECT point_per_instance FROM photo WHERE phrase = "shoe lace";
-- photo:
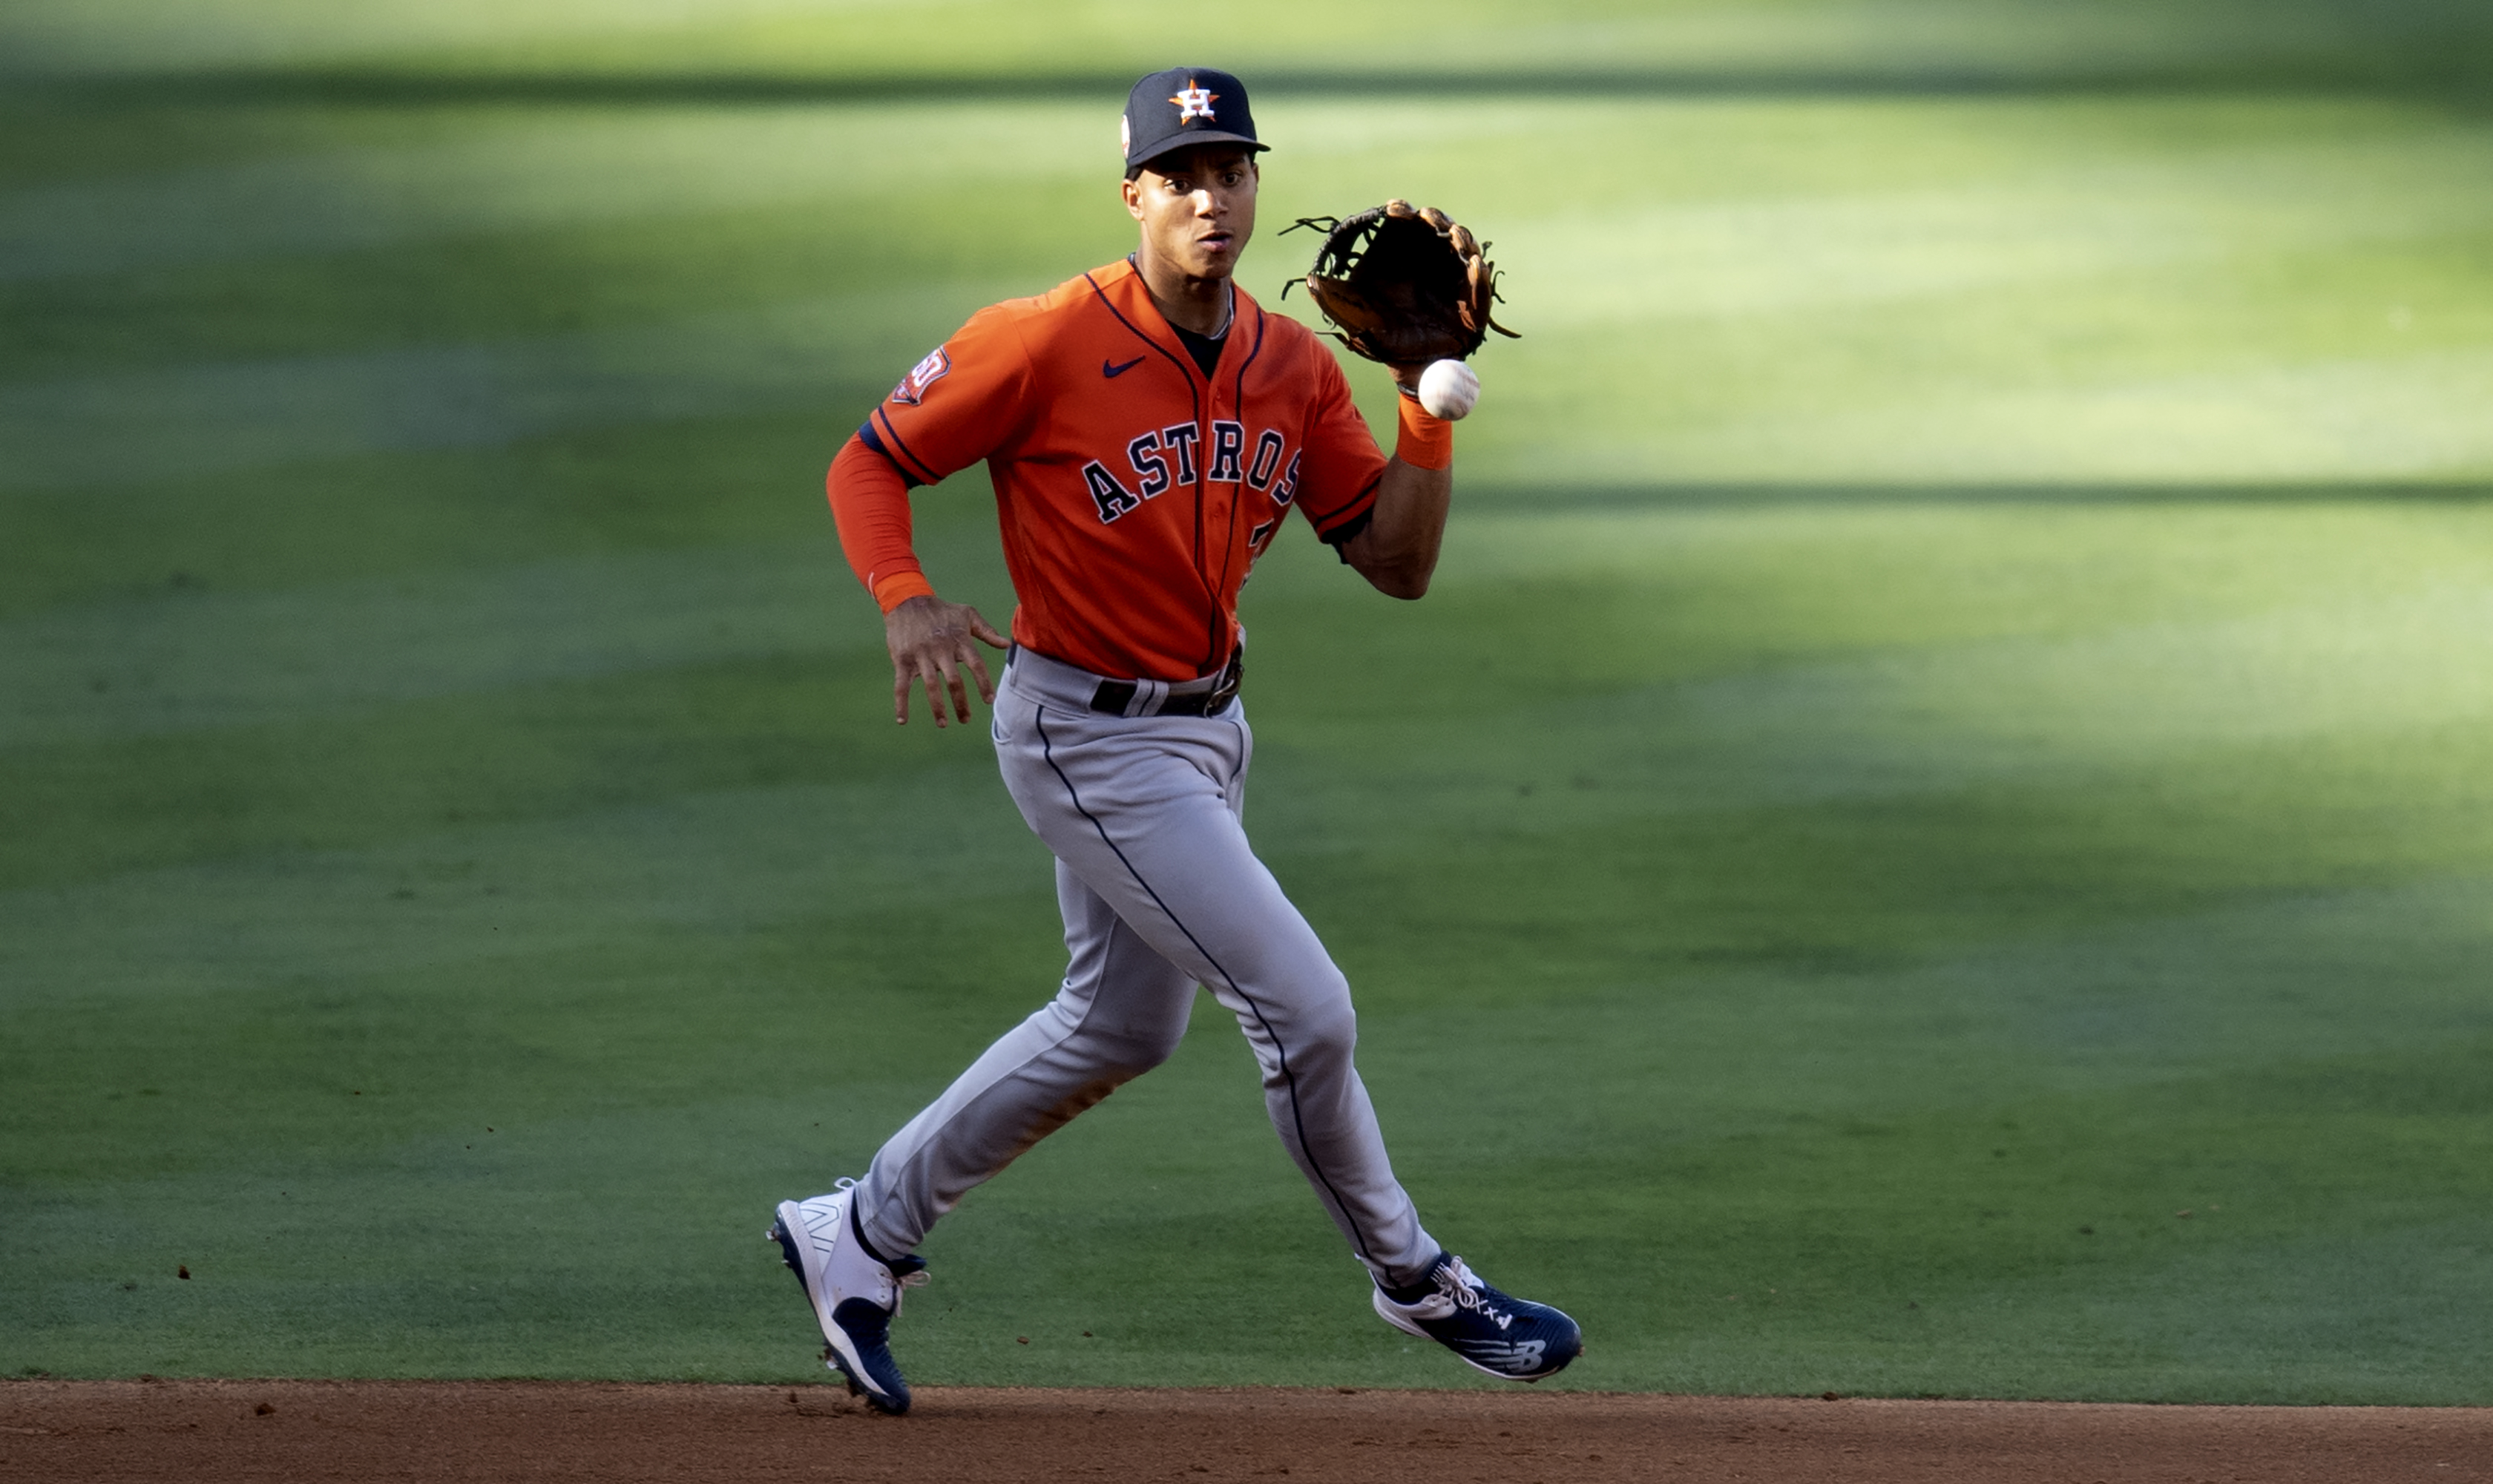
(1458, 1283)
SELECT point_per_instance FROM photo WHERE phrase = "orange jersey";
(1133, 492)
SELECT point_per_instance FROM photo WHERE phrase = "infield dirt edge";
(79, 1432)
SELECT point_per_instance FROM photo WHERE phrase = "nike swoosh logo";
(1112, 370)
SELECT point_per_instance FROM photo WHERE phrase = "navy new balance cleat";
(1514, 1339)
(854, 1295)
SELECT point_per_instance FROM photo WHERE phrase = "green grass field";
(1936, 836)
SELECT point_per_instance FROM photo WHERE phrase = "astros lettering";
(1149, 455)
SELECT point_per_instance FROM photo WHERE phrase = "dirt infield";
(366, 1430)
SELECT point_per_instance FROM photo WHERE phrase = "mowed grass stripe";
(1848, 884)
(2299, 642)
(82, 432)
(1755, 257)
(465, 175)
(702, 273)
(1857, 1250)
(2011, 204)
(1684, 1042)
(2405, 418)
(2066, 1240)
(1816, 882)
(1927, 700)
(406, 181)
(103, 557)
(2101, 383)
(2075, 208)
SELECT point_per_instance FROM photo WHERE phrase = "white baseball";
(1448, 389)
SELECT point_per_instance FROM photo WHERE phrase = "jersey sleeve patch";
(911, 389)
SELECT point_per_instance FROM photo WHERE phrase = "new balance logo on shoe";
(1521, 1356)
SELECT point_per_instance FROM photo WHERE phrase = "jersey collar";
(1121, 284)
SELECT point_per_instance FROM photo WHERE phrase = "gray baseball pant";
(1160, 892)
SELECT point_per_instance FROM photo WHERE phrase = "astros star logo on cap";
(1193, 100)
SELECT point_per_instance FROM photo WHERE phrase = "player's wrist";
(1423, 441)
(890, 592)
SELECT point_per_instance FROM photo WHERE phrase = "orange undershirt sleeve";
(870, 503)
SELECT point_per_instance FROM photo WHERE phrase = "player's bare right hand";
(929, 640)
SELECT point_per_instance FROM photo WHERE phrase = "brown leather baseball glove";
(1403, 284)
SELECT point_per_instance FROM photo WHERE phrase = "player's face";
(1197, 207)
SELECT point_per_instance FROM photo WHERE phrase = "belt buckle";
(1231, 678)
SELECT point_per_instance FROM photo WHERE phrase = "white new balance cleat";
(854, 1295)
(1513, 1338)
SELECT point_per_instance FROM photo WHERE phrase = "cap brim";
(1189, 141)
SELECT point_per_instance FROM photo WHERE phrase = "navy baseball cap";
(1184, 107)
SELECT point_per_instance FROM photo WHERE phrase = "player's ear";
(1133, 192)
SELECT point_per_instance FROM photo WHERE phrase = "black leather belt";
(1115, 697)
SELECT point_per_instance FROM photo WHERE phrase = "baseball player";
(1147, 428)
